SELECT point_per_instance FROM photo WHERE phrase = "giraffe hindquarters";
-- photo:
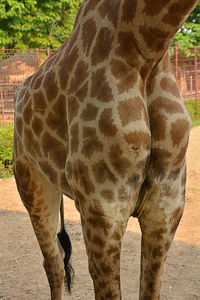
(159, 218)
(42, 201)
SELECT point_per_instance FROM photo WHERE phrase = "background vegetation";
(36, 23)
(189, 35)
(47, 23)
(6, 150)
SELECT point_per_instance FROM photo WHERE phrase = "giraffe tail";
(66, 245)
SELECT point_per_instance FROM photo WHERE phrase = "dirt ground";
(22, 275)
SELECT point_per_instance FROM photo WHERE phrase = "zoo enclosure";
(16, 65)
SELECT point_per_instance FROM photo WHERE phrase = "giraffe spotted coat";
(102, 121)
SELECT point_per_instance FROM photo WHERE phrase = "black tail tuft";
(66, 245)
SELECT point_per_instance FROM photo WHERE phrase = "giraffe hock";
(66, 245)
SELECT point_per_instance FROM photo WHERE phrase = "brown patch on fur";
(39, 102)
(106, 123)
(100, 87)
(89, 30)
(128, 11)
(157, 252)
(90, 112)
(90, 6)
(27, 114)
(81, 93)
(103, 46)
(25, 186)
(102, 172)
(96, 240)
(57, 120)
(59, 117)
(158, 234)
(97, 220)
(66, 66)
(48, 171)
(74, 138)
(181, 157)
(133, 180)
(153, 9)
(125, 73)
(111, 10)
(19, 125)
(149, 34)
(80, 75)
(82, 177)
(127, 48)
(73, 108)
(131, 110)
(170, 86)
(31, 144)
(151, 82)
(108, 195)
(158, 124)
(176, 12)
(176, 217)
(138, 139)
(178, 130)
(119, 163)
(106, 269)
(38, 82)
(116, 236)
(159, 161)
(54, 149)
(37, 126)
(170, 106)
(91, 143)
(50, 86)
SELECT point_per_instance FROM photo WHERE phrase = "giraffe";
(102, 122)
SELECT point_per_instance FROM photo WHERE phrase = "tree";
(36, 23)
(189, 35)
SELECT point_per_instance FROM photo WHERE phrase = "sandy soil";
(21, 272)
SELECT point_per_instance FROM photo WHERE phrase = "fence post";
(2, 103)
(48, 52)
(37, 53)
(196, 87)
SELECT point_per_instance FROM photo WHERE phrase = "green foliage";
(189, 35)
(36, 23)
(6, 151)
(191, 106)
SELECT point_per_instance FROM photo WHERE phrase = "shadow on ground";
(22, 275)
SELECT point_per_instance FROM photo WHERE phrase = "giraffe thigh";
(159, 218)
(42, 201)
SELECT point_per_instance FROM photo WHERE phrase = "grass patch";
(190, 104)
(6, 150)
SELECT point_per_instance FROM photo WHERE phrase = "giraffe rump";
(66, 245)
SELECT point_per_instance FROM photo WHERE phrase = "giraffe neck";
(154, 23)
(141, 31)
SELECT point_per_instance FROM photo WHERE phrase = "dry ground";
(22, 275)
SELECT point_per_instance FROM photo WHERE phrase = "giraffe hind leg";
(42, 201)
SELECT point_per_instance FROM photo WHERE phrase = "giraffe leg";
(103, 235)
(159, 219)
(42, 202)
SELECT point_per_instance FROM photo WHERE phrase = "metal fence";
(16, 65)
